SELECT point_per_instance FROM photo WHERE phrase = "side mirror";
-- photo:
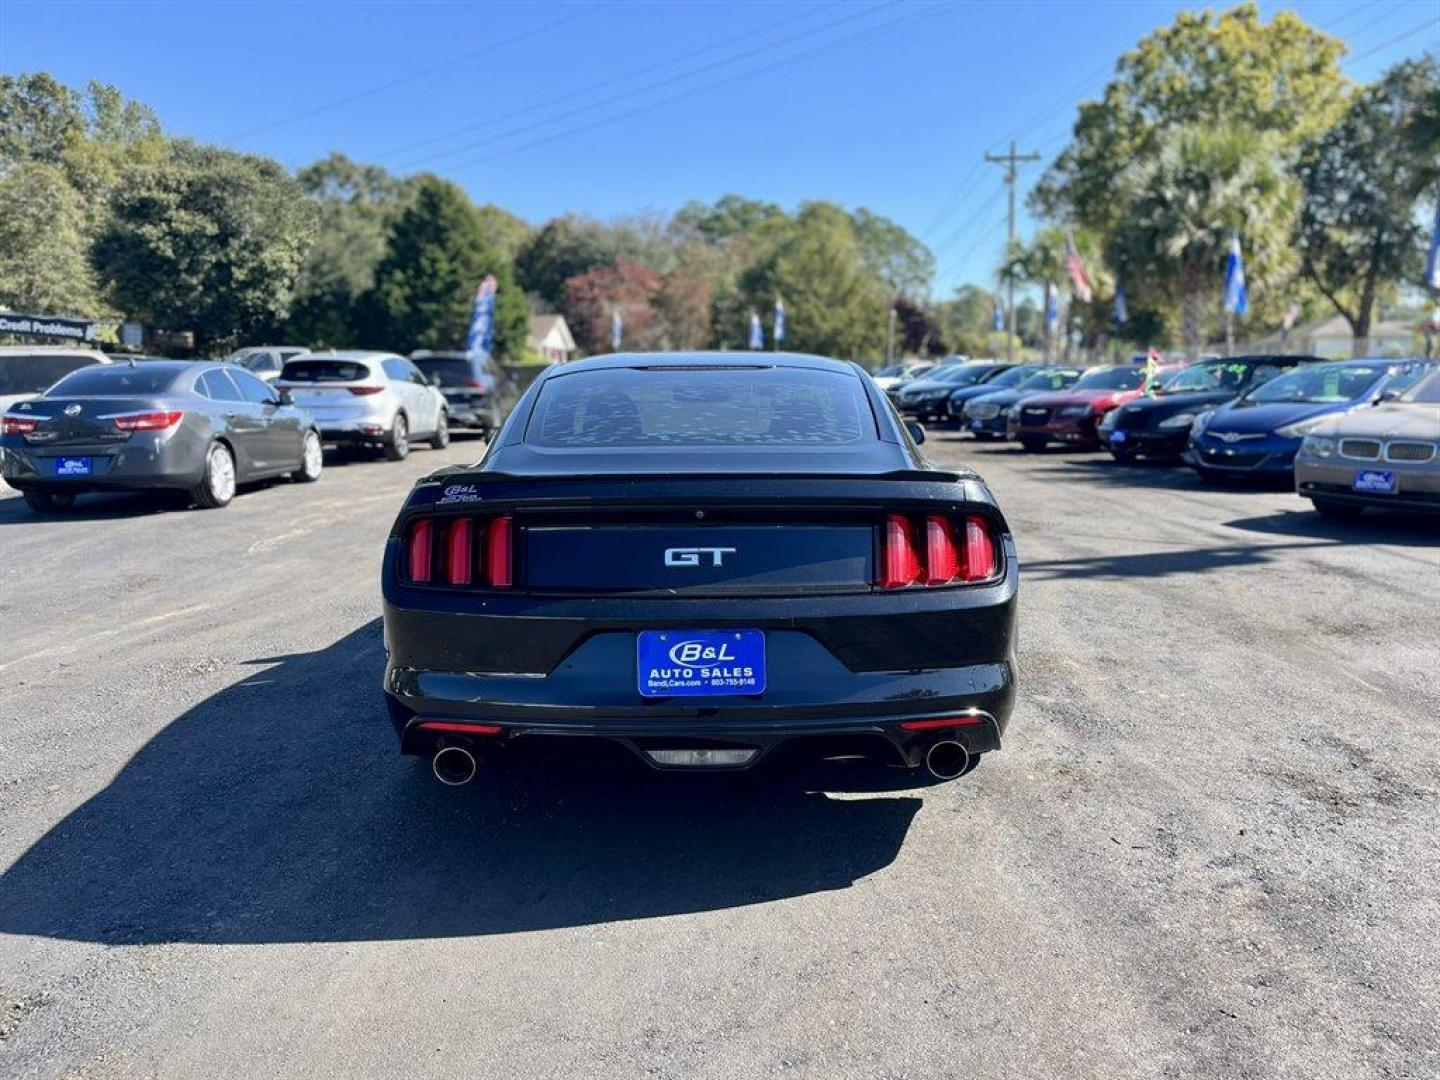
(284, 397)
(1385, 396)
(433, 380)
(917, 432)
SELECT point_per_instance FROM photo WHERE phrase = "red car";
(1071, 415)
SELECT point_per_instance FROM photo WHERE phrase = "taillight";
(955, 551)
(902, 566)
(498, 561)
(146, 421)
(457, 541)
(473, 383)
(364, 391)
(19, 425)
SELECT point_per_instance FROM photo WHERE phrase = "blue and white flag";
(1237, 297)
(481, 336)
(999, 315)
(779, 321)
(617, 329)
(1432, 268)
(1122, 312)
(757, 335)
(1052, 307)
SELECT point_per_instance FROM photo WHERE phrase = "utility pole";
(890, 337)
(1011, 161)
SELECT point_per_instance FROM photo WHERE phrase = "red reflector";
(457, 552)
(942, 561)
(420, 550)
(460, 729)
(497, 552)
(147, 421)
(362, 391)
(979, 550)
(902, 565)
(20, 425)
(942, 722)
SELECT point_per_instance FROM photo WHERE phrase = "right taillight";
(448, 551)
(936, 549)
(365, 391)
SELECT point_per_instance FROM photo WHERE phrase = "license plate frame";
(74, 466)
(700, 663)
(1375, 482)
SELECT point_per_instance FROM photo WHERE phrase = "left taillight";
(936, 549)
(147, 421)
(19, 425)
(459, 551)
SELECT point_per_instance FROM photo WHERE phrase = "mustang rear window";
(322, 371)
(698, 407)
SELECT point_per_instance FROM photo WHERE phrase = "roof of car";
(757, 360)
(359, 355)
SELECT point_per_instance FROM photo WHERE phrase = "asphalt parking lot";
(1208, 849)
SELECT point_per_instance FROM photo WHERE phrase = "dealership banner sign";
(51, 326)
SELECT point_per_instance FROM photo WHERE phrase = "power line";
(380, 88)
(593, 105)
(691, 92)
(1430, 23)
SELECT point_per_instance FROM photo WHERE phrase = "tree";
(44, 249)
(206, 239)
(891, 254)
(425, 285)
(563, 248)
(356, 205)
(833, 305)
(1203, 71)
(506, 232)
(731, 215)
(967, 319)
(1358, 227)
(1180, 208)
(39, 118)
(592, 297)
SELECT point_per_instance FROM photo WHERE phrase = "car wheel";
(441, 438)
(312, 459)
(1338, 511)
(217, 486)
(1032, 444)
(397, 446)
(47, 502)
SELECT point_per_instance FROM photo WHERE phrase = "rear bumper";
(472, 414)
(143, 461)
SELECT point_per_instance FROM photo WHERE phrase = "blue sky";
(613, 108)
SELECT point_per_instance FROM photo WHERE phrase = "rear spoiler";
(449, 474)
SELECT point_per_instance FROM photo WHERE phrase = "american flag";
(1079, 280)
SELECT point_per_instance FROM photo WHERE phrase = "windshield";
(961, 374)
(111, 379)
(1425, 392)
(30, 374)
(890, 372)
(1012, 377)
(1112, 378)
(674, 406)
(1320, 383)
(324, 371)
(1050, 380)
(261, 362)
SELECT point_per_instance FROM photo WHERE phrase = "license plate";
(72, 466)
(694, 663)
(1117, 436)
(1374, 483)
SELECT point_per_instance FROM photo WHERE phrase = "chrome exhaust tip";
(946, 759)
(454, 766)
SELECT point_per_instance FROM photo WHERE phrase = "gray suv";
(368, 399)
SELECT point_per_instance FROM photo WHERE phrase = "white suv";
(368, 398)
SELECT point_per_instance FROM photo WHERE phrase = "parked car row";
(77, 421)
(1351, 433)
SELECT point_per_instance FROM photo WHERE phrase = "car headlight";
(1200, 423)
(1318, 446)
(1178, 422)
(1075, 410)
(1296, 430)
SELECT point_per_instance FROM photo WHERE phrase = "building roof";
(542, 326)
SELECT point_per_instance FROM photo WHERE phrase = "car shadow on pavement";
(1375, 527)
(92, 507)
(279, 810)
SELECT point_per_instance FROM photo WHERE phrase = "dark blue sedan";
(1259, 432)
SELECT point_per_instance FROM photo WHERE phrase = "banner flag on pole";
(1432, 268)
(757, 335)
(1237, 297)
(779, 321)
(999, 316)
(1052, 306)
(481, 335)
(1122, 311)
(1079, 280)
(617, 329)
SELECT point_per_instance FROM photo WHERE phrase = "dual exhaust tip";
(455, 766)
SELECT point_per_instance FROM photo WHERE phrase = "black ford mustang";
(701, 558)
